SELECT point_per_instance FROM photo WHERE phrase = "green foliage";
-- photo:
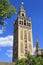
(6, 10)
(21, 62)
(30, 60)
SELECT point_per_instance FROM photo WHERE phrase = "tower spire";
(37, 43)
(22, 10)
(37, 47)
(21, 6)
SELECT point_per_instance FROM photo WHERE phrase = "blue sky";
(34, 9)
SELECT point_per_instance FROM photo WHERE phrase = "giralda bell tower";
(22, 41)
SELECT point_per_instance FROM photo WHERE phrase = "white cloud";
(1, 31)
(9, 53)
(6, 41)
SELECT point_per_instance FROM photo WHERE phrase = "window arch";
(22, 14)
(20, 22)
(28, 24)
(24, 22)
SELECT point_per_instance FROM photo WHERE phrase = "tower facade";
(23, 41)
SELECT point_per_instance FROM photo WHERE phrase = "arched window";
(28, 24)
(24, 22)
(22, 14)
(20, 22)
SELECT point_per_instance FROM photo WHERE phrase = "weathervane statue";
(22, 3)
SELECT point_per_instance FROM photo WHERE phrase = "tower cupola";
(22, 10)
